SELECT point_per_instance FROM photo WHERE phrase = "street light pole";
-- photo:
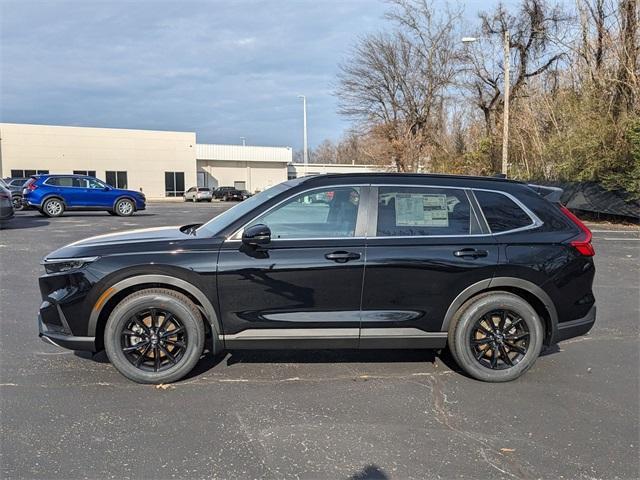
(305, 151)
(505, 120)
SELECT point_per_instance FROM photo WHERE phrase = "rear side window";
(203, 189)
(66, 182)
(501, 212)
(422, 211)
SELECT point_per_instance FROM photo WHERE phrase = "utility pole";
(505, 120)
(244, 141)
(305, 151)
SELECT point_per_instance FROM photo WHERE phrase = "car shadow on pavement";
(330, 356)
(370, 472)
(19, 222)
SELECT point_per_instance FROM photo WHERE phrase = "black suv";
(489, 267)
(228, 193)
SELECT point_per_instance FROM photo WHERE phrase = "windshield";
(216, 224)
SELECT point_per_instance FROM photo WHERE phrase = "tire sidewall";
(479, 308)
(124, 311)
(117, 207)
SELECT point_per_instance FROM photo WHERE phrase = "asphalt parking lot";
(314, 414)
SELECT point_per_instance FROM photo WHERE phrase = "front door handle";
(470, 252)
(342, 257)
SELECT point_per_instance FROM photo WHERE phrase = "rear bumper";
(59, 338)
(577, 327)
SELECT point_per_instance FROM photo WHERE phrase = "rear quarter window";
(502, 213)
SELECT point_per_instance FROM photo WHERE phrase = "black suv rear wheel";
(496, 336)
(154, 336)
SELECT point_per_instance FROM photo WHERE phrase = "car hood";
(159, 238)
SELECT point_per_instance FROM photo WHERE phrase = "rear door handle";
(470, 252)
(342, 257)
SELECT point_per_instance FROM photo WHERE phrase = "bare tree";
(533, 32)
(394, 84)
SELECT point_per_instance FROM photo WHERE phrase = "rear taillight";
(31, 186)
(583, 244)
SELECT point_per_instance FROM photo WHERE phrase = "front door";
(302, 289)
(426, 246)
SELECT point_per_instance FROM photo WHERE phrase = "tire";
(520, 330)
(53, 207)
(209, 201)
(185, 199)
(166, 303)
(124, 207)
(225, 199)
(17, 203)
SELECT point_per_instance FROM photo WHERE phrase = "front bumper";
(577, 327)
(60, 338)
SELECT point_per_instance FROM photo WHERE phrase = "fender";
(209, 311)
(483, 285)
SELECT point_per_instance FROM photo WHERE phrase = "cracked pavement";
(314, 414)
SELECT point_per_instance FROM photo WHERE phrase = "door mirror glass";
(256, 235)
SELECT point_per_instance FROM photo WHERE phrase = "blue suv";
(53, 194)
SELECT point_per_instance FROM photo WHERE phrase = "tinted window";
(203, 189)
(67, 182)
(501, 212)
(325, 213)
(422, 211)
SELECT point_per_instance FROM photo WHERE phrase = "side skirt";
(315, 338)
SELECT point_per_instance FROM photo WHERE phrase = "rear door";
(303, 288)
(425, 245)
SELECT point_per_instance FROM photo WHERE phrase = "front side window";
(423, 211)
(95, 183)
(323, 213)
(502, 213)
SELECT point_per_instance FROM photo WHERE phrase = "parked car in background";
(489, 267)
(6, 203)
(228, 193)
(15, 185)
(198, 194)
(52, 195)
(246, 194)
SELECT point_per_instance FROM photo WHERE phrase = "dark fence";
(592, 197)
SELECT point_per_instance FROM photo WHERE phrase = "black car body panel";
(367, 290)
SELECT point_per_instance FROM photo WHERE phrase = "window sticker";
(414, 209)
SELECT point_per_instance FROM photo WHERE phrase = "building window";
(27, 173)
(173, 184)
(116, 179)
(90, 173)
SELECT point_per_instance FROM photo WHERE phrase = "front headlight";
(59, 265)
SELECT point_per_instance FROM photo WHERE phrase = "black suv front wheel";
(496, 336)
(154, 336)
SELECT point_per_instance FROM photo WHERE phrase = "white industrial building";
(162, 164)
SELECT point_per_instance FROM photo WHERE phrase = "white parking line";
(615, 231)
(621, 239)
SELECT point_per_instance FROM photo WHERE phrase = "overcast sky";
(220, 68)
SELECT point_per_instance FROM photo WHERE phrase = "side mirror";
(106, 188)
(256, 235)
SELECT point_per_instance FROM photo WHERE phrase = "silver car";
(198, 194)
(6, 204)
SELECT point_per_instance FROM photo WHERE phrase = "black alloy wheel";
(499, 339)
(154, 339)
